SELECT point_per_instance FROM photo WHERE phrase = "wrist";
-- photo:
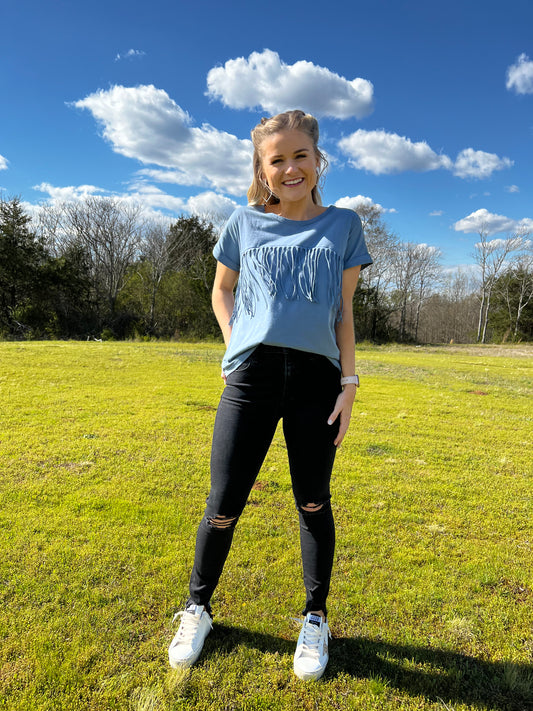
(350, 380)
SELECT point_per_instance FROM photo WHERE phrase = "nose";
(290, 167)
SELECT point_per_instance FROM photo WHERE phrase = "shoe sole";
(183, 663)
(309, 676)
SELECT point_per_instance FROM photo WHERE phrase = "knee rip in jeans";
(222, 523)
(313, 508)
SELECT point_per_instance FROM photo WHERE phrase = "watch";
(350, 380)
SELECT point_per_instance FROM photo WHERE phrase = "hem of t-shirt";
(364, 260)
(236, 361)
(223, 259)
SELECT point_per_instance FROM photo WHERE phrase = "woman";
(290, 355)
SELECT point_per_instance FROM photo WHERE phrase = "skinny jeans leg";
(314, 387)
(245, 424)
(272, 383)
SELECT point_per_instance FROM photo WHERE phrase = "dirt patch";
(524, 350)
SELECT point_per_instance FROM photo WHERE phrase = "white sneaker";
(195, 625)
(311, 656)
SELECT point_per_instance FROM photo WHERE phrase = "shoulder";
(343, 219)
(345, 213)
(243, 214)
(236, 222)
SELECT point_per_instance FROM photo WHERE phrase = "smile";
(295, 181)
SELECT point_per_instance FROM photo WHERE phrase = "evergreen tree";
(21, 257)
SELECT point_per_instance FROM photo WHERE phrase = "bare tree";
(382, 245)
(49, 224)
(427, 276)
(450, 314)
(515, 287)
(491, 256)
(110, 231)
(523, 271)
(157, 259)
(405, 268)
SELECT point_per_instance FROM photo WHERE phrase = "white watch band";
(350, 380)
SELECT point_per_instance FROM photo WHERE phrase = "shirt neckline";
(280, 218)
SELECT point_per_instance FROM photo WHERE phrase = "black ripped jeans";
(301, 388)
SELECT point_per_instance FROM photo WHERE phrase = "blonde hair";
(259, 193)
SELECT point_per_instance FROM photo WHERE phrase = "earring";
(271, 194)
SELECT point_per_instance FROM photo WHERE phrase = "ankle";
(319, 613)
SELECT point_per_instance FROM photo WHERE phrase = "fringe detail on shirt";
(291, 272)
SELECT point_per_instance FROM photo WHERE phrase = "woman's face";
(289, 165)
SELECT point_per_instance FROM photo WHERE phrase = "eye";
(276, 160)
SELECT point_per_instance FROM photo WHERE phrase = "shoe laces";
(188, 625)
(312, 635)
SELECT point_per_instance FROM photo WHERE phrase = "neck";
(296, 211)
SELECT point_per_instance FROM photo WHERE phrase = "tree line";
(100, 268)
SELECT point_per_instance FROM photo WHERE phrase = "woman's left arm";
(346, 343)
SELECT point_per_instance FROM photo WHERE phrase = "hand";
(222, 375)
(343, 409)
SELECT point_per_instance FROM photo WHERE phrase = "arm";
(346, 343)
(223, 299)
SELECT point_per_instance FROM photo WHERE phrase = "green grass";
(104, 456)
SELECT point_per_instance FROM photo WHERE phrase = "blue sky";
(425, 108)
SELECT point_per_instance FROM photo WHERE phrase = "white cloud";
(144, 123)
(491, 224)
(264, 80)
(154, 198)
(355, 203)
(495, 243)
(130, 54)
(520, 75)
(3, 163)
(211, 204)
(68, 193)
(436, 213)
(381, 153)
(151, 198)
(478, 164)
(176, 177)
(384, 153)
(512, 189)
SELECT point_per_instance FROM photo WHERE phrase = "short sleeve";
(227, 249)
(356, 250)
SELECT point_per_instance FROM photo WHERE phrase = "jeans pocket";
(242, 367)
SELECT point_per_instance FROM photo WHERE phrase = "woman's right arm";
(223, 299)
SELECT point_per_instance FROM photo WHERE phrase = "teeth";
(293, 182)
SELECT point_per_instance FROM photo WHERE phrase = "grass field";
(104, 451)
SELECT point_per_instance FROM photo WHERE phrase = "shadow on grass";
(434, 674)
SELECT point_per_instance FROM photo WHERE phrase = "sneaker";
(311, 656)
(195, 625)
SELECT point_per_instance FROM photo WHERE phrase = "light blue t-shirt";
(290, 278)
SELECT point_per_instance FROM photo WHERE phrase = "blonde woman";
(290, 355)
